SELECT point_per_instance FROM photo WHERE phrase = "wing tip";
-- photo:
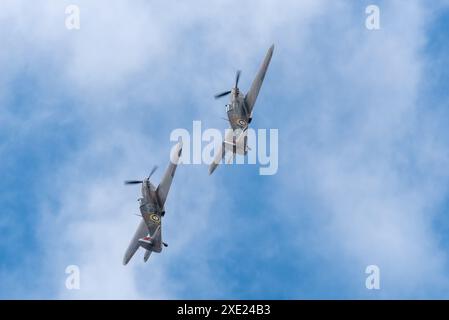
(125, 261)
(270, 51)
(212, 168)
(179, 148)
(176, 153)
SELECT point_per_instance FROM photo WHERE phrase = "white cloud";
(362, 159)
(134, 71)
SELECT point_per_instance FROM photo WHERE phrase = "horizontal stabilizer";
(149, 242)
(146, 243)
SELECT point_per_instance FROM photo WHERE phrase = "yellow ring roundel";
(242, 122)
(155, 218)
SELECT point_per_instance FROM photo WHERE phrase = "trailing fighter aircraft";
(240, 113)
(148, 234)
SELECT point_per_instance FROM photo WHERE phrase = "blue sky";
(362, 119)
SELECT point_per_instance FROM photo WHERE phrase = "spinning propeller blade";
(222, 94)
(237, 78)
(133, 181)
(152, 171)
(140, 181)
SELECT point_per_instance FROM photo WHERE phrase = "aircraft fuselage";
(236, 110)
(152, 214)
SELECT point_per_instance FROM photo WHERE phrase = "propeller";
(140, 181)
(222, 94)
(133, 181)
(237, 78)
(152, 171)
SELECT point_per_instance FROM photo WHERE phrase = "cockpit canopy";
(232, 106)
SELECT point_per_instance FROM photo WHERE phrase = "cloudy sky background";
(363, 149)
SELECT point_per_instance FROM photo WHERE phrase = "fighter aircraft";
(240, 113)
(148, 234)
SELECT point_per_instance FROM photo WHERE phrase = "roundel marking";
(242, 122)
(155, 218)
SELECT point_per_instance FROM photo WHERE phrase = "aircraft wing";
(218, 156)
(164, 186)
(142, 231)
(234, 142)
(251, 96)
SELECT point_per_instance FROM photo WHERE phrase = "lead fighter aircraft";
(148, 234)
(240, 113)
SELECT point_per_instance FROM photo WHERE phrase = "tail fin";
(152, 242)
